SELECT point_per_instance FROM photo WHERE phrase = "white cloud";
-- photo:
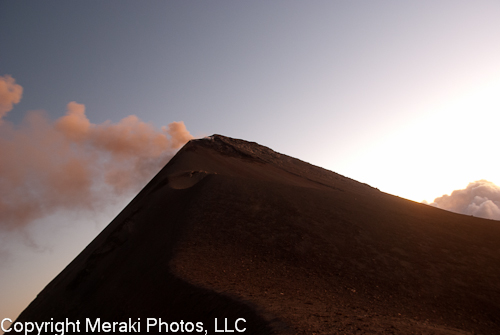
(480, 198)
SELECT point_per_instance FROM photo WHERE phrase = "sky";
(96, 96)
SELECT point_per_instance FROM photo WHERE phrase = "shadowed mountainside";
(231, 229)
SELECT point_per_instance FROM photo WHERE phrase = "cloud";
(480, 198)
(10, 94)
(72, 164)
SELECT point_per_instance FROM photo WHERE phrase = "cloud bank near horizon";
(480, 198)
(71, 163)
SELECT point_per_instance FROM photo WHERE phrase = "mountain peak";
(237, 147)
(255, 152)
(230, 229)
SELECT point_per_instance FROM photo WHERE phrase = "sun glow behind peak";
(445, 147)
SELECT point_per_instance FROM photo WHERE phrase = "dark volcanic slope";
(233, 229)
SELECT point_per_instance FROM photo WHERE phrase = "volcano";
(233, 236)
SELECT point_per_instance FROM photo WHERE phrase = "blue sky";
(318, 81)
(404, 96)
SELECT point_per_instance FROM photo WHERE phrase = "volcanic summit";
(230, 230)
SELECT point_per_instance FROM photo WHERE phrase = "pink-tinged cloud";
(74, 125)
(74, 164)
(480, 198)
(10, 94)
